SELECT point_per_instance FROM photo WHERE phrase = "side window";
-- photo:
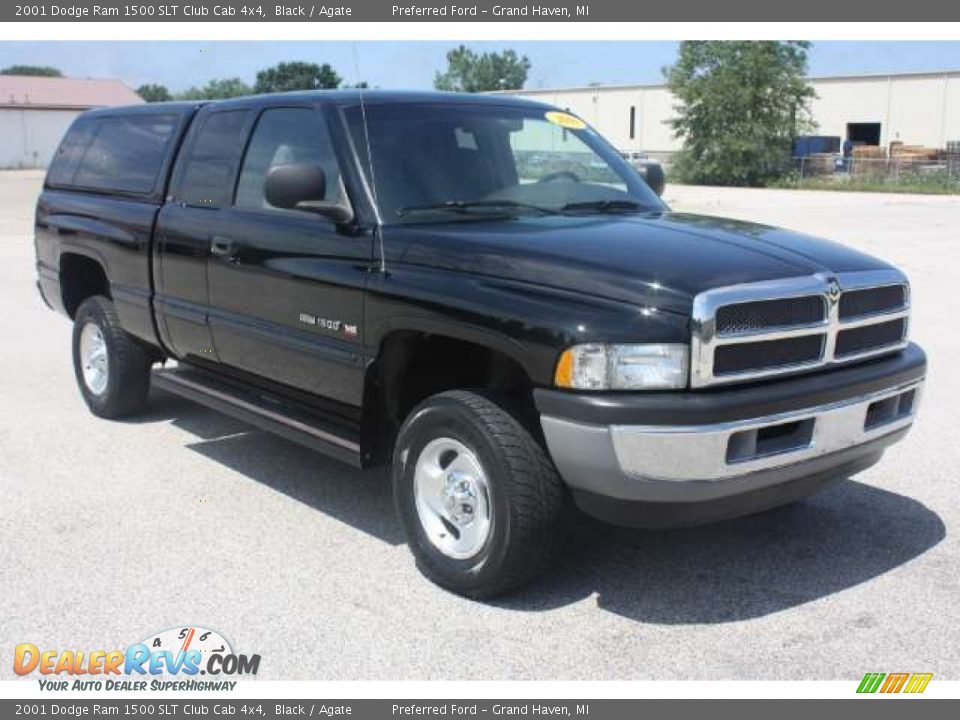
(64, 164)
(119, 153)
(207, 178)
(287, 136)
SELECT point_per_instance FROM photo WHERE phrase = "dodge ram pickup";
(479, 293)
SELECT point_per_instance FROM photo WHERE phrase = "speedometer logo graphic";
(179, 641)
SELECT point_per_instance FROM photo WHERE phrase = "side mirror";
(303, 187)
(654, 176)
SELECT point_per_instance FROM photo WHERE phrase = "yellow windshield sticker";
(565, 120)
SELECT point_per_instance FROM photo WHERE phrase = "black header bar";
(482, 11)
(188, 708)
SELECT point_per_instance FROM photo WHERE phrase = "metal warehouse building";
(35, 112)
(913, 108)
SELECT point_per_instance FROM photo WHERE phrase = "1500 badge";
(335, 326)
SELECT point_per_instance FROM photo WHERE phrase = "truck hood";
(657, 260)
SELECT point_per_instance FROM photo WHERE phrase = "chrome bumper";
(689, 463)
(715, 452)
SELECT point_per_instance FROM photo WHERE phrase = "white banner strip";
(499, 31)
(478, 690)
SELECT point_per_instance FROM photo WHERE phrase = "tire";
(518, 500)
(121, 389)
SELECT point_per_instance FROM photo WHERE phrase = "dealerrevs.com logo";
(173, 659)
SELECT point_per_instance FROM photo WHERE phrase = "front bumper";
(675, 451)
(48, 285)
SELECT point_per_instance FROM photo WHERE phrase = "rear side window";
(122, 153)
(207, 179)
(64, 164)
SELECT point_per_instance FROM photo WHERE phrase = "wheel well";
(412, 366)
(81, 278)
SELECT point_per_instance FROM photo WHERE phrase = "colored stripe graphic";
(871, 682)
(892, 683)
(918, 683)
(895, 682)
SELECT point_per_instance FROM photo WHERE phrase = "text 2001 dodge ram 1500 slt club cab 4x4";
(481, 292)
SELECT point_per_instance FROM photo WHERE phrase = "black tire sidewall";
(104, 404)
(444, 417)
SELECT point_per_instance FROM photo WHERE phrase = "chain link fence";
(922, 174)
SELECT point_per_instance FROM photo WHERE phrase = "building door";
(863, 133)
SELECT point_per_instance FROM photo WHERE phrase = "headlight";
(623, 367)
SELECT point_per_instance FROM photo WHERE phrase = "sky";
(412, 65)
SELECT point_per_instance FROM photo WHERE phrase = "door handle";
(225, 248)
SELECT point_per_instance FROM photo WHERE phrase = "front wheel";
(478, 498)
(112, 369)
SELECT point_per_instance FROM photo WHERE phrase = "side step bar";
(262, 410)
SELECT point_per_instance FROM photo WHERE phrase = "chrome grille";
(758, 330)
(766, 354)
(751, 316)
(867, 337)
(860, 303)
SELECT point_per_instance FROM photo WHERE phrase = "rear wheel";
(478, 497)
(112, 369)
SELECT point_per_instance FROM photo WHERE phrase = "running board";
(262, 410)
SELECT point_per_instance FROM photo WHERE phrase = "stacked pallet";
(872, 152)
(903, 152)
(868, 160)
(820, 164)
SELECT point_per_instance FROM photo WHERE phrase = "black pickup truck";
(480, 292)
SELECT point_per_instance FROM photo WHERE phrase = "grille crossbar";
(757, 330)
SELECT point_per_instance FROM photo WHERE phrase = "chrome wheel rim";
(452, 498)
(93, 359)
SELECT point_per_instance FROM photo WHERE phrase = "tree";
(739, 107)
(152, 92)
(288, 76)
(216, 90)
(469, 72)
(34, 70)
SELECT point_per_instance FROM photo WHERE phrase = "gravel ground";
(110, 531)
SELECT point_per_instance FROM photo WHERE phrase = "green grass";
(923, 185)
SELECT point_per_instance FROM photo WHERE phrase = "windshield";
(443, 162)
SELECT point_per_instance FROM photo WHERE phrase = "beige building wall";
(932, 123)
(29, 138)
(915, 108)
(951, 108)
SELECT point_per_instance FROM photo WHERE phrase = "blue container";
(807, 145)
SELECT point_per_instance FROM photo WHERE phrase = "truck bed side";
(98, 240)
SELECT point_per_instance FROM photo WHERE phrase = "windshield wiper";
(603, 206)
(465, 206)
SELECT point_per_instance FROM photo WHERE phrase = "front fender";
(532, 324)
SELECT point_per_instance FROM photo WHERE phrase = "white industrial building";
(914, 108)
(35, 112)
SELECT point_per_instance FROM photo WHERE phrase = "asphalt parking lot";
(110, 531)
